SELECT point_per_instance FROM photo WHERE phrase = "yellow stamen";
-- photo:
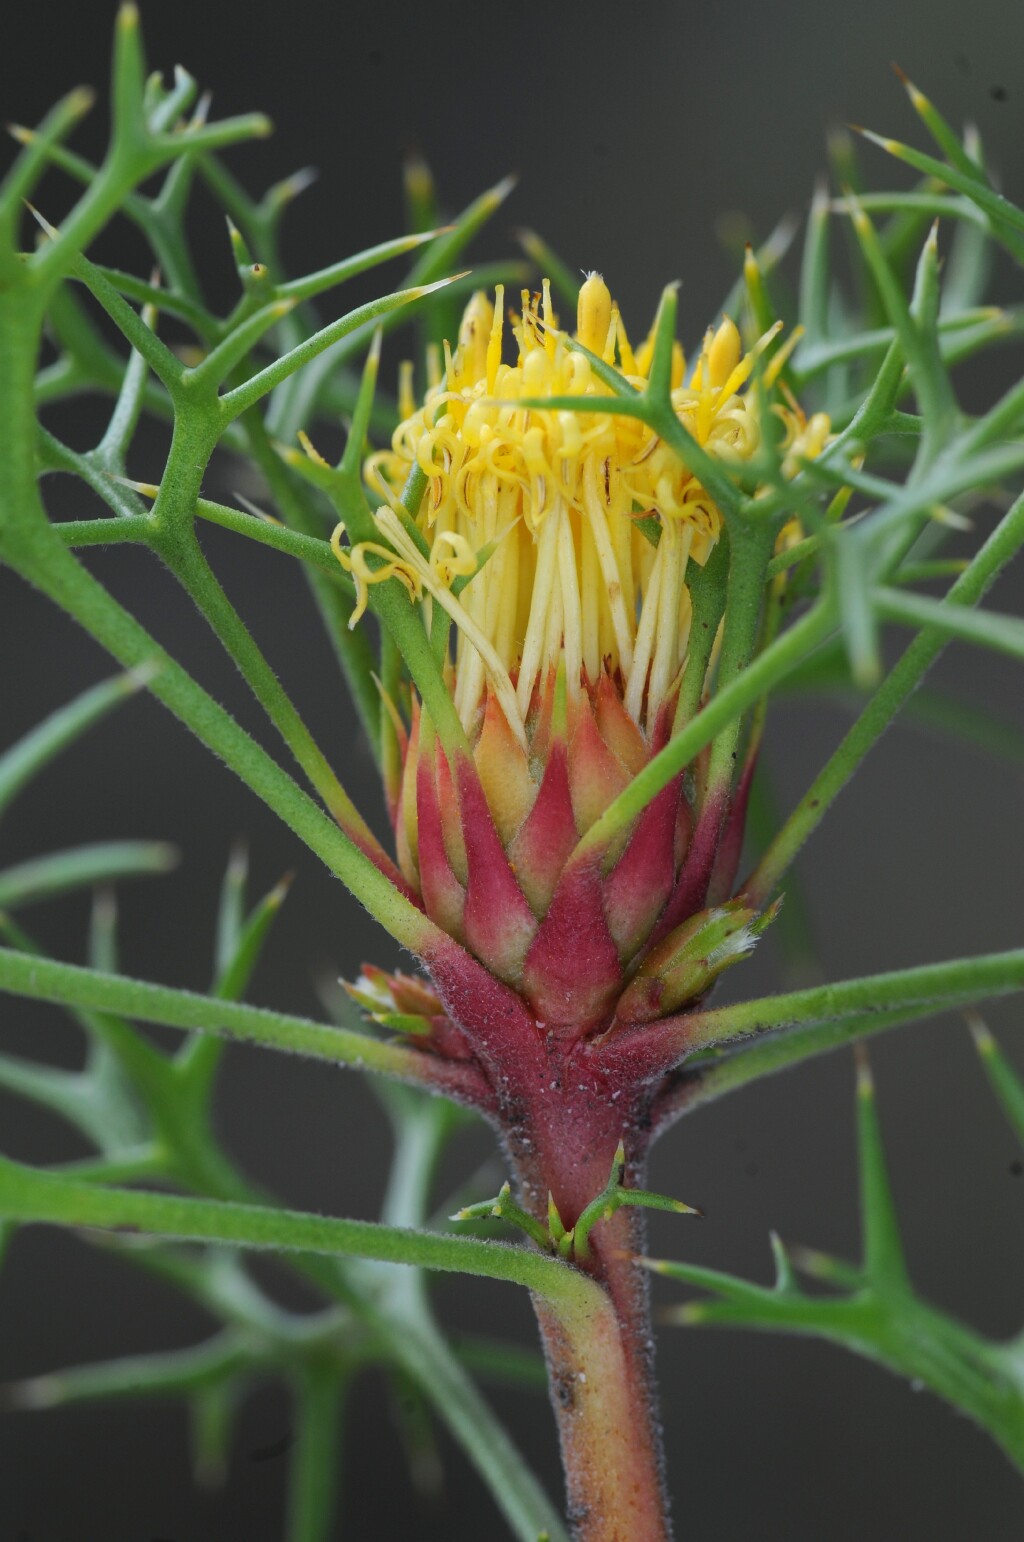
(354, 560)
(594, 313)
(571, 586)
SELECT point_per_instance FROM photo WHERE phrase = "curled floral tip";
(355, 560)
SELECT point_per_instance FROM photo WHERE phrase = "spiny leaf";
(883, 1250)
(1006, 1084)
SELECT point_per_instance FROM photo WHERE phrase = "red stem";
(561, 1139)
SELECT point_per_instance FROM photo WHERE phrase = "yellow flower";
(588, 519)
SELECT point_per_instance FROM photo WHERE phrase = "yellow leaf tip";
(984, 1041)
(865, 1080)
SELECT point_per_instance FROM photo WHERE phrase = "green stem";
(708, 588)
(421, 1350)
(891, 695)
(45, 979)
(319, 1398)
(48, 564)
(704, 1082)
(607, 1426)
(1005, 634)
(402, 1313)
(103, 532)
(27, 1194)
(750, 548)
(292, 543)
(185, 559)
(350, 647)
(929, 987)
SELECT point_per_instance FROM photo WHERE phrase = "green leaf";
(59, 872)
(1006, 1084)
(350, 267)
(1005, 634)
(69, 985)
(128, 81)
(174, 1373)
(221, 361)
(814, 269)
(723, 709)
(166, 366)
(38, 145)
(1007, 220)
(929, 987)
(945, 137)
(968, 724)
(506, 1364)
(884, 1263)
(930, 384)
(877, 1314)
(23, 761)
(231, 910)
(237, 401)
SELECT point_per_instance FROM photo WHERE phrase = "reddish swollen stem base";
(561, 1121)
(561, 1117)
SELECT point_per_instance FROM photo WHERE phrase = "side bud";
(689, 960)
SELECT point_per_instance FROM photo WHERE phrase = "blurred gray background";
(636, 132)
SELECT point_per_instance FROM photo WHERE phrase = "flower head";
(560, 540)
